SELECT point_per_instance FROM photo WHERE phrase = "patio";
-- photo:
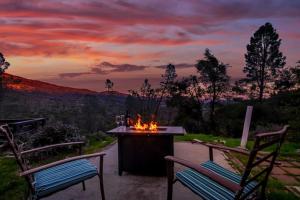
(133, 187)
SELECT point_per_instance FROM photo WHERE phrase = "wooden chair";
(56, 176)
(211, 181)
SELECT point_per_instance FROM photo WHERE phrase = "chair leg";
(83, 185)
(170, 177)
(101, 186)
(100, 175)
(170, 191)
(29, 195)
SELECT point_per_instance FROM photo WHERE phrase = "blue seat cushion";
(62, 176)
(206, 187)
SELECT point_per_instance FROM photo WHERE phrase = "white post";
(246, 127)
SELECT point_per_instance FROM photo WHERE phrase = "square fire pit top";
(162, 130)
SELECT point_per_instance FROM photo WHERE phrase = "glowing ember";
(139, 125)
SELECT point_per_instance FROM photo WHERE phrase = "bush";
(52, 134)
(97, 136)
(265, 117)
(230, 119)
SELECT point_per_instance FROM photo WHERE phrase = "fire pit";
(143, 151)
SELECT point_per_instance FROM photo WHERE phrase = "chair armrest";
(37, 169)
(222, 148)
(236, 150)
(50, 147)
(275, 133)
(215, 177)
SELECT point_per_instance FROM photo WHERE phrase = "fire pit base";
(144, 154)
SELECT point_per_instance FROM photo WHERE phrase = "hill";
(18, 83)
(87, 110)
(21, 84)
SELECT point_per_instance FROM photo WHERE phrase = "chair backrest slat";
(268, 144)
(265, 158)
(262, 141)
(257, 175)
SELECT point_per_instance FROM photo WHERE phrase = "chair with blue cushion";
(213, 182)
(56, 176)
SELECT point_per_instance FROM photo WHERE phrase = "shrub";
(52, 134)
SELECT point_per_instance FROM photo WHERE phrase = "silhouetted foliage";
(144, 101)
(53, 134)
(165, 85)
(92, 109)
(238, 88)
(109, 85)
(285, 81)
(213, 75)
(187, 98)
(296, 72)
(289, 78)
(89, 113)
(263, 58)
(3, 66)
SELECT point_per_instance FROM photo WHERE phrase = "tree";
(289, 78)
(263, 58)
(3, 66)
(285, 81)
(167, 82)
(186, 95)
(238, 88)
(109, 85)
(296, 73)
(145, 100)
(213, 74)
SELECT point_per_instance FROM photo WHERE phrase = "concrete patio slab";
(286, 179)
(292, 170)
(131, 187)
(278, 171)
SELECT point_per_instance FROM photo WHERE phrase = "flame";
(139, 125)
(153, 126)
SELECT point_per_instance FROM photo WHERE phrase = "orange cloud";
(167, 30)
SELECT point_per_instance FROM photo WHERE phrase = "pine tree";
(168, 80)
(109, 85)
(263, 58)
(213, 74)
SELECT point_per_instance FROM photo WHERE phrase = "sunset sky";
(80, 43)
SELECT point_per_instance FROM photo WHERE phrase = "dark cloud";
(105, 68)
(72, 75)
(127, 68)
(96, 70)
(177, 66)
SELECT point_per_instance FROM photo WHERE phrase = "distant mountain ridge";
(18, 83)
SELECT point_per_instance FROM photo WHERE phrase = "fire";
(153, 126)
(139, 125)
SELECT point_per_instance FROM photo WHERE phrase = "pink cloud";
(161, 30)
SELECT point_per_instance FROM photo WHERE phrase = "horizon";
(81, 44)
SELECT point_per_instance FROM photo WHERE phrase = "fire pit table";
(143, 151)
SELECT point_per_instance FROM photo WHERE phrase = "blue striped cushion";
(207, 188)
(62, 176)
